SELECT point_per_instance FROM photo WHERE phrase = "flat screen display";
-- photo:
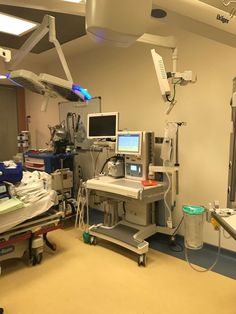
(129, 143)
(102, 125)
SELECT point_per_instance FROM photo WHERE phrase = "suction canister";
(193, 226)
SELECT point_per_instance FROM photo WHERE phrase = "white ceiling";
(180, 13)
(49, 5)
(200, 17)
(79, 8)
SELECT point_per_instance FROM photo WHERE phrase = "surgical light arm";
(47, 26)
(227, 2)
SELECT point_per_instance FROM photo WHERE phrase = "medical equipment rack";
(127, 234)
(30, 236)
(47, 161)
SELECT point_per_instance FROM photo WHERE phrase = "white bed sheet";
(12, 219)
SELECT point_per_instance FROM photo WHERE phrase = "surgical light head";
(81, 92)
(44, 84)
(28, 80)
(64, 88)
(48, 85)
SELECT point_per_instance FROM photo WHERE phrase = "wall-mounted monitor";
(102, 125)
(129, 142)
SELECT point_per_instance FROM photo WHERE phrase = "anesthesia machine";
(135, 192)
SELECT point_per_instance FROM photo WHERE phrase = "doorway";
(12, 112)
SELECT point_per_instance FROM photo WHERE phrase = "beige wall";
(33, 62)
(125, 78)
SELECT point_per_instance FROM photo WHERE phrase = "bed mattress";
(12, 219)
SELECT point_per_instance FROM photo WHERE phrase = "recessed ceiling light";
(16, 26)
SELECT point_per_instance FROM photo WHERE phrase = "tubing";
(215, 262)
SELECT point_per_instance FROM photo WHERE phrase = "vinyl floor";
(81, 279)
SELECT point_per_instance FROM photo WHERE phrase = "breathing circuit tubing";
(215, 262)
(165, 195)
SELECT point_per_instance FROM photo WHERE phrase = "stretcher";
(24, 231)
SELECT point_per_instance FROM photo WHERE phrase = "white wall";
(125, 78)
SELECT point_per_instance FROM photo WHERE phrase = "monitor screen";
(129, 143)
(102, 125)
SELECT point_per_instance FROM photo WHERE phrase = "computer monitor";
(102, 125)
(129, 143)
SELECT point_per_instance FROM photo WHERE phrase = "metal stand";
(127, 235)
(138, 223)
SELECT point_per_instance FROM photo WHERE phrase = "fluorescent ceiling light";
(16, 26)
(74, 1)
(2, 77)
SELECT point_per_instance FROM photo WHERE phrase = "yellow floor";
(80, 279)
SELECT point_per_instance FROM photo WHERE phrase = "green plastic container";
(193, 226)
(193, 210)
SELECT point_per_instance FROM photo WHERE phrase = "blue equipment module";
(47, 161)
(10, 174)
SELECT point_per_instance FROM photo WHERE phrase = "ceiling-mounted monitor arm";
(162, 76)
(227, 2)
(47, 26)
(174, 59)
(162, 41)
(53, 39)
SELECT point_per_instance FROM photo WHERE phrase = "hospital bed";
(24, 231)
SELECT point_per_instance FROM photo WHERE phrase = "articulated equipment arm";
(47, 26)
(5, 54)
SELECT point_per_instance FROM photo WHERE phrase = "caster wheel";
(93, 240)
(54, 247)
(33, 260)
(142, 260)
(173, 241)
(36, 259)
(39, 258)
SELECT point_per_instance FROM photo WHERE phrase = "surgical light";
(118, 23)
(14, 25)
(81, 92)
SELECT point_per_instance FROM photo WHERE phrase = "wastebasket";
(193, 226)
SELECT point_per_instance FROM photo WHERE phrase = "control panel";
(136, 166)
(134, 169)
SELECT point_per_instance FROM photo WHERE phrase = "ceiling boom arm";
(162, 41)
(53, 39)
(177, 77)
(47, 26)
(5, 54)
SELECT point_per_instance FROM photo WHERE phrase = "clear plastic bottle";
(193, 225)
